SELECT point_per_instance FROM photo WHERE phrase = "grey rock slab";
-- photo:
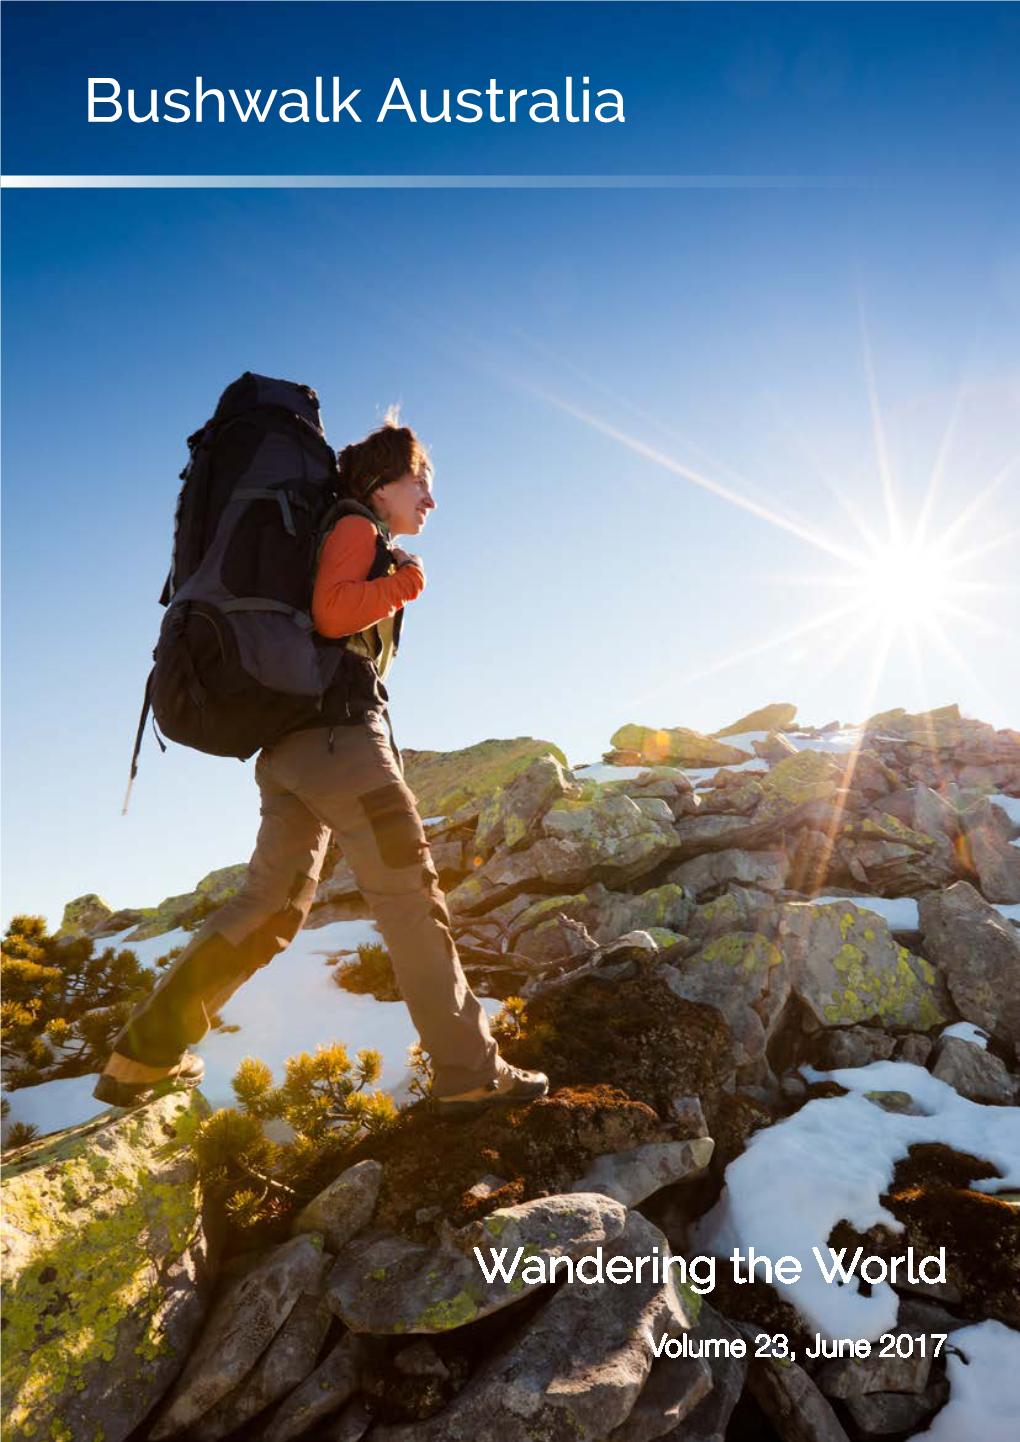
(687, 1114)
(709, 1420)
(847, 1377)
(106, 1270)
(385, 1284)
(285, 1364)
(855, 1046)
(975, 1073)
(675, 1387)
(978, 953)
(332, 1384)
(241, 1326)
(879, 1414)
(631, 1176)
(352, 1424)
(577, 1368)
(343, 1208)
(509, 817)
(715, 870)
(793, 1404)
(997, 864)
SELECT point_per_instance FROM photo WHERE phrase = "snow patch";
(967, 1031)
(983, 1399)
(832, 1161)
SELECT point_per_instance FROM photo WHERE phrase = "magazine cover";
(511, 807)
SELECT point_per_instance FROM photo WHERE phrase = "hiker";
(339, 774)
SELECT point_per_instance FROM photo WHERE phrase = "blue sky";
(573, 357)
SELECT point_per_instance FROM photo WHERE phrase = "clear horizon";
(676, 431)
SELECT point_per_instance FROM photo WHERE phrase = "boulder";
(854, 1046)
(85, 915)
(845, 968)
(577, 1368)
(510, 816)
(286, 1362)
(975, 1073)
(775, 747)
(709, 1420)
(106, 1271)
(995, 863)
(744, 977)
(384, 1284)
(629, 1177)
(606, 914)
(247, 1316)
(677, 746)
(978, 953)
(448, 782)
(808, 776)
(777, 716)
(792, 1402)
(717, 869)
(608, 839)
(343, 1208)
(327, 1390)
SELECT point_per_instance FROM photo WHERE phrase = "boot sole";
(471, 1109)
(127, 1095)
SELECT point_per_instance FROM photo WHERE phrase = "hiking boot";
(186, 1075)
(509, 1088)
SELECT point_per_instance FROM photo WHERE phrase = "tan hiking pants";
(344, 780)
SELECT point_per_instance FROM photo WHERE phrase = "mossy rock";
(84, 915)
(775, 717)
(808, 776)
(444, 781)
(105, 1270)
(677, 746)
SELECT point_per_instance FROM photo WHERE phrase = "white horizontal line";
(424, 182)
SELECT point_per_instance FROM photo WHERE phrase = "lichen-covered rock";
(995, 862)
(606, 914)
(808, 776)
(341, 1210)
(577, 1369)
(677, 746)
(85, 915)
(243, 1322)
(744, 976)
(978, 953)
(385, 1284)
(509, 817)
(629, 1177)
(105, 1271)
(846, 968)
(609, 839)
(445, 782)
(774, 717)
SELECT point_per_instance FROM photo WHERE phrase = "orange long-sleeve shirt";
(343, 601)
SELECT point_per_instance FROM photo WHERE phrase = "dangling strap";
(146, 707)
(396, 748)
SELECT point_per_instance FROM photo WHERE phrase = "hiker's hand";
(406, 558)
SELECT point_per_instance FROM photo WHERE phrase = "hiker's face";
(404, 503)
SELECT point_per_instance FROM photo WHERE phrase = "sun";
(905, 584)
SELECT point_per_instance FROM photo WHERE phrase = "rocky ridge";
(687, 950)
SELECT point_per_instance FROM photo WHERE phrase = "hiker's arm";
(343, 602)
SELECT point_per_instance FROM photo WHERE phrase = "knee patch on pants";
(395, 824)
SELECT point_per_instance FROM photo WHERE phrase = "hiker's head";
(390, 472)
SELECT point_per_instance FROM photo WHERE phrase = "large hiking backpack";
(238, 664)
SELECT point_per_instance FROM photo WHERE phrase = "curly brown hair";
(384, 455)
